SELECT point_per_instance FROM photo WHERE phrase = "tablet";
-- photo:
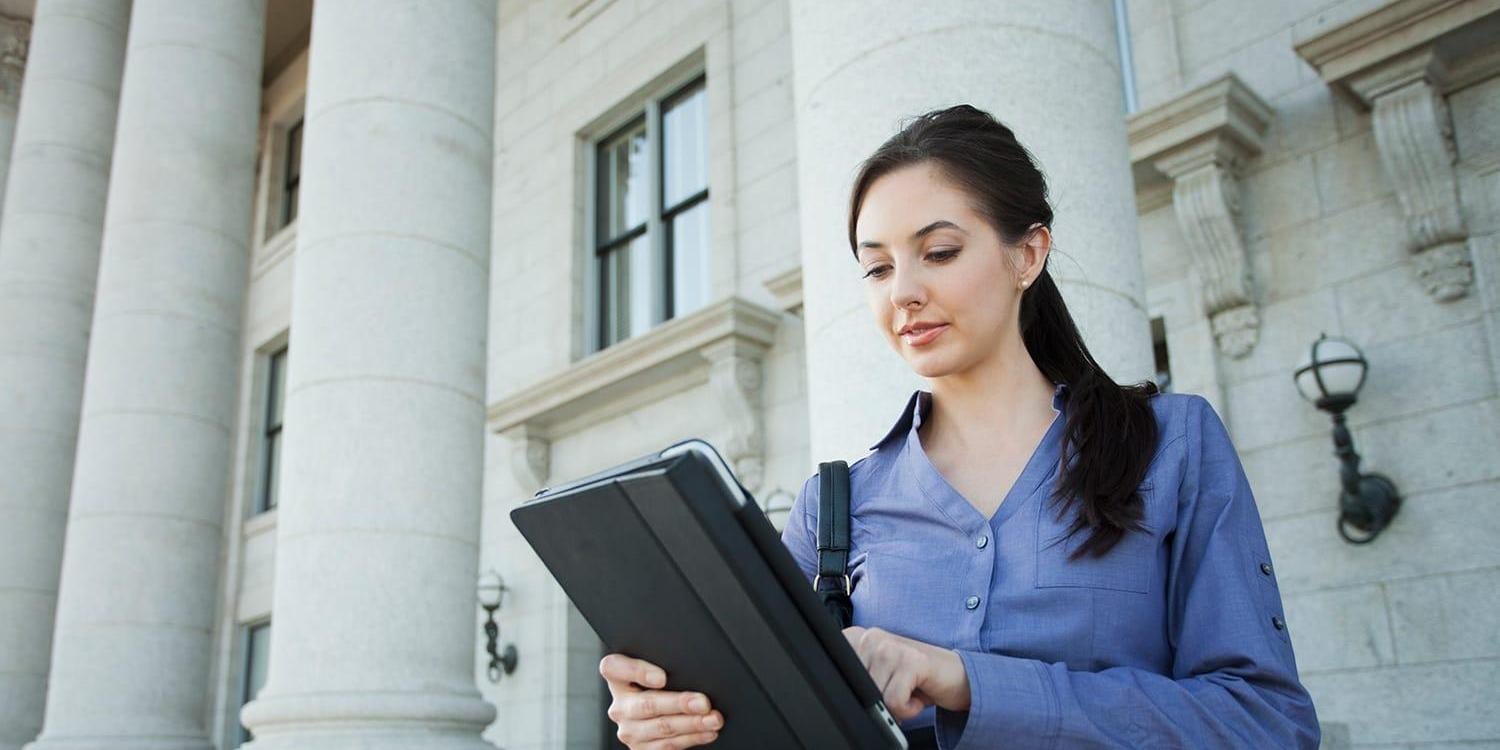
(670, 559)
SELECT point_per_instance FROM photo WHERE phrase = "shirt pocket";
(905, 595)
(1125, 567)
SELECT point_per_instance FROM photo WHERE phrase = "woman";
(1040, 557)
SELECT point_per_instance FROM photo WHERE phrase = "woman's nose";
(907, 288)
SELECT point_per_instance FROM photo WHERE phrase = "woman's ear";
(1035, 247)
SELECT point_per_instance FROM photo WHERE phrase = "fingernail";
(698, 704)
(657, 677)
(711, 721)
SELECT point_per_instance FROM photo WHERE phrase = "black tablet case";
(664, 565)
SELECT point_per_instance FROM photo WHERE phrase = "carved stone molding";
(1399, 61)
(530, 458)
(15, 38)
(721, 345)
(735, 376)
(787, 288)
(1414, 134)
(1197, 143)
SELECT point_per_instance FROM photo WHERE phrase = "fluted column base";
(369, 721)
(118, 743)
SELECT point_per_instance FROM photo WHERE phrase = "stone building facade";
(259, 435)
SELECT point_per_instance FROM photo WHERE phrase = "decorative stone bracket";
(1399, 62)
(1198, 143)
(721, 345)
(15, 37)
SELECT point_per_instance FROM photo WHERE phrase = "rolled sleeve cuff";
(1011, 704)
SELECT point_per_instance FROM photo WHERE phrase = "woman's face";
(927, 258)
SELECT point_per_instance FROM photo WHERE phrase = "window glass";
(271, 443)
(257, 657)
(688, 237)
(685, 149)
(292, 170)
(622, 170)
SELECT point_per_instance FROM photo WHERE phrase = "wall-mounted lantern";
(1330, 377)
(491, 590)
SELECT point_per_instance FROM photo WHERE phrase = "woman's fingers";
(894, 665)
(673, 728)
(678, 743)
(623, 670)
(653, 719)
(899, 697)
(649, 704)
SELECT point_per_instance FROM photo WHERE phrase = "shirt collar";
(919, 405)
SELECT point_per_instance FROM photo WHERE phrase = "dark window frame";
(266, 498)
(608, 330)
(1160, 354)
(247, 672)
(291, 173)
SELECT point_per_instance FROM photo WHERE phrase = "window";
(291, 177)
(1159, 347)
(651, 216)
(271, 439)
(257, 655)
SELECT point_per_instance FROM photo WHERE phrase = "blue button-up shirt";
(1174, 638)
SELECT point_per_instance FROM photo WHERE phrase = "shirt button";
(982, 542)
(1278, 623)
(1265, 568)
(971, 602)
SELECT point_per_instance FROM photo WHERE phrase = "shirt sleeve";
(1234, 680)
(799, 535)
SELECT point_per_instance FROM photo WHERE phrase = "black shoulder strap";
(832, 581)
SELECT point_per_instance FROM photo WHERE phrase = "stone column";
(135, 609)
(377, 550)
(49, 260)
(1050, 70)
(15, 34)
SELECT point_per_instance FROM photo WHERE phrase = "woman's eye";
(938, 255)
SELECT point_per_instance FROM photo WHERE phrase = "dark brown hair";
(1110, 434)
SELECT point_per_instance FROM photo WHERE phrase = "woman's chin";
(929, 366)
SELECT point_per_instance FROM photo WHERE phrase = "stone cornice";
(722, 345)
(1224, 111)
(1342, 54)
(787, 288)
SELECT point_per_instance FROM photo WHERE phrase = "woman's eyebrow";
(917, 235)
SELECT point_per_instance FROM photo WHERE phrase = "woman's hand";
(911, 674)
(653, 719)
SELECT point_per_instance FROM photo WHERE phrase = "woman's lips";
(924, 336)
